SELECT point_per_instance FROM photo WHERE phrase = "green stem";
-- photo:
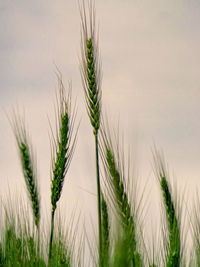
(38, 243)
(98, 197)
(51, 236)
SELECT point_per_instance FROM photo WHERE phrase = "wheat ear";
(91, 67)
(28, 165)
(91, 80)
(114, 170)
(124, 208)
(62, 149)
(174, 246)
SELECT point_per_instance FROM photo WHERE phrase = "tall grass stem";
(99, 198)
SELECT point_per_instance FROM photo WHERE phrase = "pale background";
(151, 85)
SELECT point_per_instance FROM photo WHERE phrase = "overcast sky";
(151, 84)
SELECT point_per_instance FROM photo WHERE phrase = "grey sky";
(151, 62)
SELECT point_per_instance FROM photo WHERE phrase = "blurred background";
(151, 86)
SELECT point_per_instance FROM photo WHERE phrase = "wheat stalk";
(91, 80)
(105, 231)
(62, 149)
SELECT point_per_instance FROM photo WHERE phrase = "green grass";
(121, 240)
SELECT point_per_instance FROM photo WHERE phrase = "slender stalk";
(99, 198)
(51, 236)
(105, 232)
(91, 79)
(38, 242)
(63, 148)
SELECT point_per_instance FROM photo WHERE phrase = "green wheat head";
(28, 165)
(174, 245)
(62, 150)
(117, 188)
(124, 208)
(90, 67)
(63, 144)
